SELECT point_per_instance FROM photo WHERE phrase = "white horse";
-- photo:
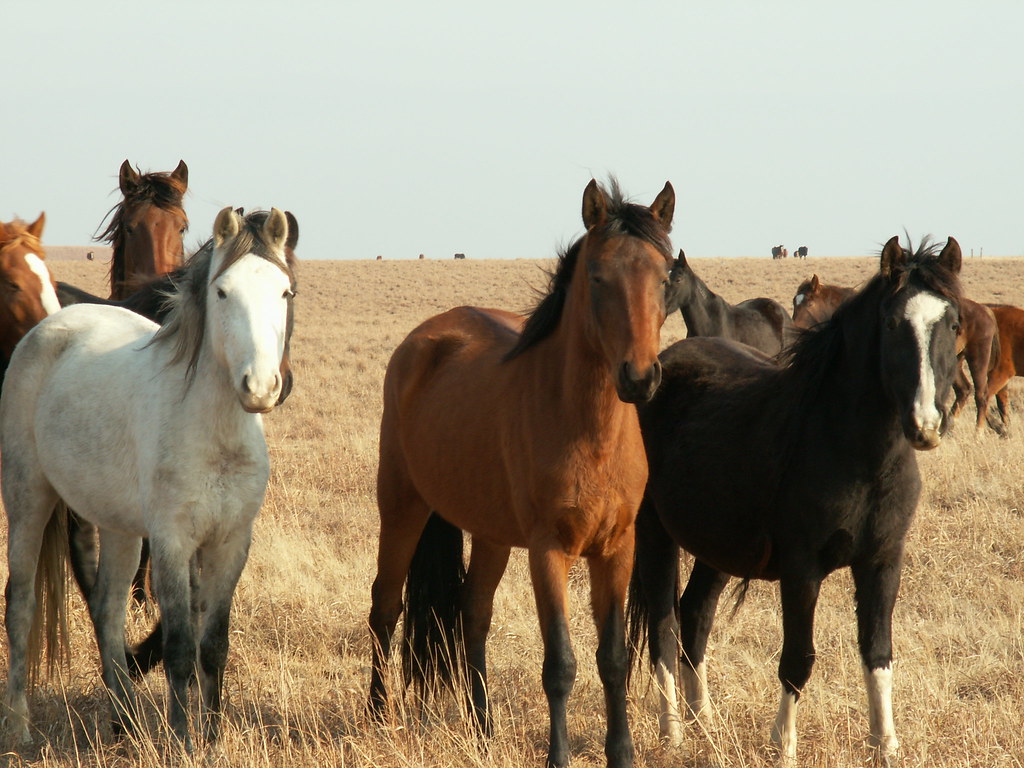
(148, 431)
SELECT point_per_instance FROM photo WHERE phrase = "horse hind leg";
(696, 615)
(403, 516)
(652, 610)
(487, 565)
(30, 503)
(119, 554)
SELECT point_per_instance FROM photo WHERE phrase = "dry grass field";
(298, 671)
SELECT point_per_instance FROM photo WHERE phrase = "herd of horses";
(608, 448)
(782, 252)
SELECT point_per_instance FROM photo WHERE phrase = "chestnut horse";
(522, 433)
(815, 301)
(27, 291)
(761, 323)
(978, 344)
(1009, 362)
(146, 227)
(790, 472)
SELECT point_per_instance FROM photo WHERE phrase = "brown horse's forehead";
(153, 214)
(626, 252)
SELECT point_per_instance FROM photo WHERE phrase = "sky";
(403, 128)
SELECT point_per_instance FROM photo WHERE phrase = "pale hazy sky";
(403, 128)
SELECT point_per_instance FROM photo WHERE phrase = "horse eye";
(221, 294)
(956, 327)
(13, 286)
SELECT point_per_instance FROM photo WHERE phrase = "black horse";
(789, 472)
(150, 301)
(761, 323)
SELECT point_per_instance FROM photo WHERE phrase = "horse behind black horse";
(790, 472)
(760, 323)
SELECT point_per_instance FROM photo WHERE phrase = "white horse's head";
(247, 305)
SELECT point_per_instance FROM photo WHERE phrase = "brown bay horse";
(522, 433)
(146, 227)
(27, 291)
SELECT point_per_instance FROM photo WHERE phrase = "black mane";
(624, 218)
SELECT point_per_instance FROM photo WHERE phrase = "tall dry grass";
(299, 664)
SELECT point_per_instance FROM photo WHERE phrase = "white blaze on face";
(799, 299)
(922, 312)
(48, 295)
(883, 732)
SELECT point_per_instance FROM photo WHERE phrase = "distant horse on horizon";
(761, 323)
(779, 252)
(542, 450)
(789, 472)
(180, 458)
(800, 253)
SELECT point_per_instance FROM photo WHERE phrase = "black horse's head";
(919, 322)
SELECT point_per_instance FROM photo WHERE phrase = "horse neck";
(572, 376)
(704, 310)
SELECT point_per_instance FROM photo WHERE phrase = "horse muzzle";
(633, 386)
(259, 398)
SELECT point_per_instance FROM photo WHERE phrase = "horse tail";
(50, 622)
(739, 594)
(638, 619)
(432, 628)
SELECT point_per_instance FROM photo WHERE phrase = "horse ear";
(815, 282)
(127, 178)
(275, 229)
(225, 227)
(681, 260)
(293, 230)
(664, 206)
(180, 174)
(675, 277)
(951, 256)
(893, 257)
(36, 227)
(595, 206)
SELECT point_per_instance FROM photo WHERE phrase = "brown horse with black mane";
(522, 433)
(146, 227)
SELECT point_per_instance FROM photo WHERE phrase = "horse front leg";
(549, 571)
(799, 599)
(487, 564)
(876, 585)
(172, 583)
(221, 569)
(609, 582)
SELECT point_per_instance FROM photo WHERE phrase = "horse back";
(762, 323)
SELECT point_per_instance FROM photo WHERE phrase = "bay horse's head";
(814, 302)
(248, 303)
(146, 227)
(27, 291)
(623, 264)
(919, 322)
